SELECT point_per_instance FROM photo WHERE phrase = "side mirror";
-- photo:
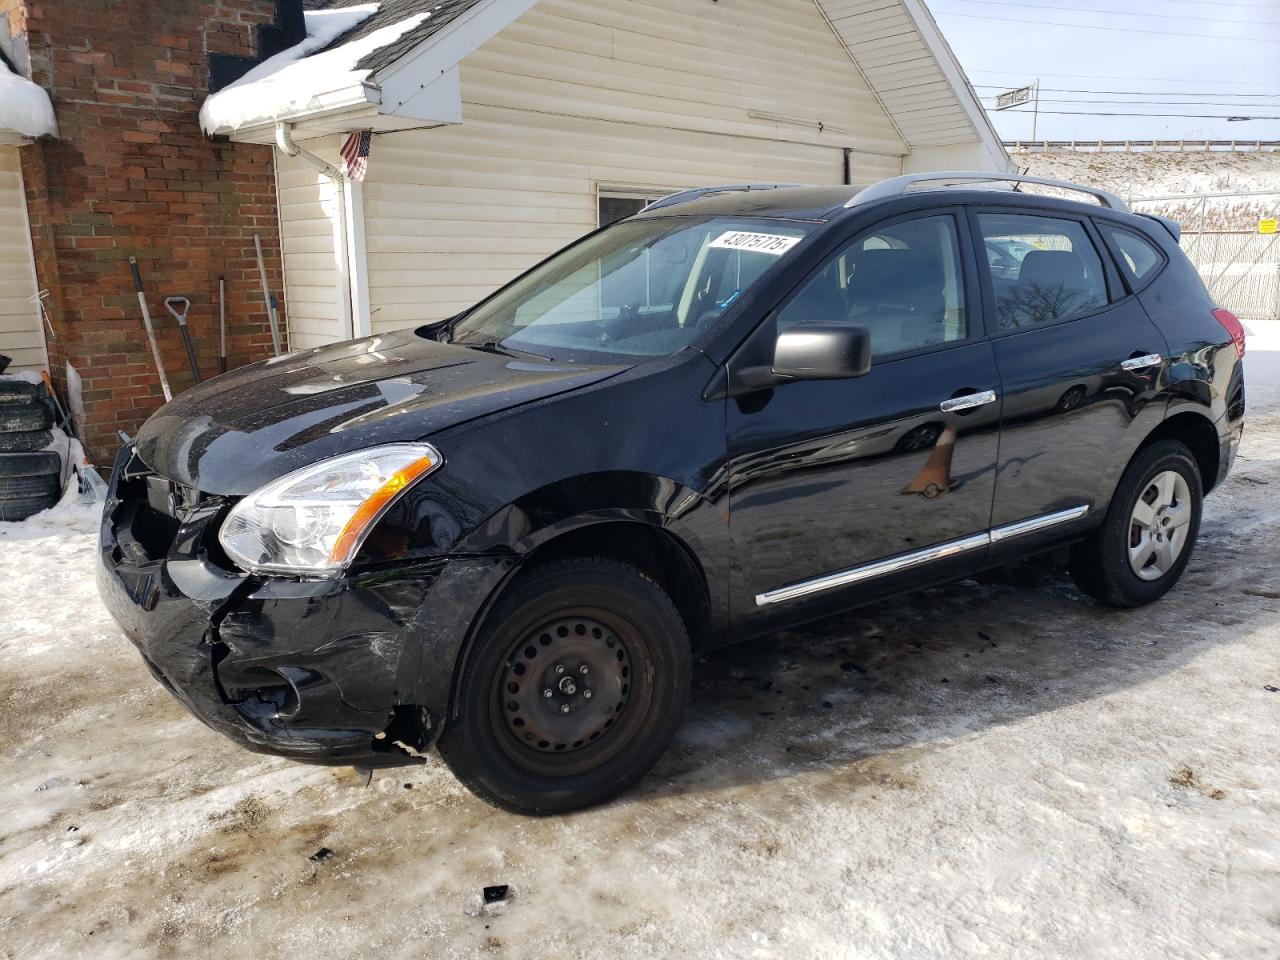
(822, 351)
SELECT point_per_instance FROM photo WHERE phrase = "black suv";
(747, 407)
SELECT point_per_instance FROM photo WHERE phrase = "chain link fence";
(1240, 266)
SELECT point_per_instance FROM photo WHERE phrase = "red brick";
(133, 174)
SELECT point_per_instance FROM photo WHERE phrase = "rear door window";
(1043, 269)
(1138, 257)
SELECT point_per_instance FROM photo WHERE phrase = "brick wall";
(132, 174)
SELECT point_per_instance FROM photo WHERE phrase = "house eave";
(354, 102)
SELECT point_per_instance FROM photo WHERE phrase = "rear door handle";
(1143, 362)
(968, 402)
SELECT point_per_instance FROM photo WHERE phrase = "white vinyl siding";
(627, 95)
(884, 39)
(308, 209)
(21, 329)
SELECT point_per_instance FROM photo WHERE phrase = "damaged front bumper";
(355, 671)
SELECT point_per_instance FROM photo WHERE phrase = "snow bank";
(24, 107)
(290, 81)
(26, 376)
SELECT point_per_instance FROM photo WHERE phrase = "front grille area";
(149, 512)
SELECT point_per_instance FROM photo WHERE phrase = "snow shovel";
(222, 324)
(178, 308)
(151, 333)
(268, 299)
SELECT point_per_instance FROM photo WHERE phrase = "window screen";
(613, 209)
(1043, 269)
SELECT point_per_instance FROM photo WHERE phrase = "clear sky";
(1186, 60)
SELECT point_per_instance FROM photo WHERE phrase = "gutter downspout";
(284, 140)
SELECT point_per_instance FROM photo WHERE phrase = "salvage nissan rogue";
(507, 533)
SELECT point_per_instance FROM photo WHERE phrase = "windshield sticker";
(771, 243)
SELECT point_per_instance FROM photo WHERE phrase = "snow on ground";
(995, 769)
(289, 82)
(24, 107)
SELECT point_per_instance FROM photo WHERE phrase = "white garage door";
(21, 336)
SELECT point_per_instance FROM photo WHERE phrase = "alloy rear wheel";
(1145, 541)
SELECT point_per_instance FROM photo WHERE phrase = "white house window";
(615, 205)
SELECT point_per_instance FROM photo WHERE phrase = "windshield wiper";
(501, 349)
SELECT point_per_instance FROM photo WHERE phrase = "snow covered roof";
(25, 110)
(297, 79)
(334, 80)
(442, 13)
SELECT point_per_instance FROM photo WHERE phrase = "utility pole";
(1035, 113)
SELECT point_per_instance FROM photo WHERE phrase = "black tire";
(20, 488)
(1100, 565)
(569, 614)
(19, 391)
(25, 417)
(22, 508)
(25, 440)
(30, 464)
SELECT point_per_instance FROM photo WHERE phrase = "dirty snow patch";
(292, 81)
(24, 107)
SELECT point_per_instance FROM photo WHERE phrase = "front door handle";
(968, 402)
(1142, 362)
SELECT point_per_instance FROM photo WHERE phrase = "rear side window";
(1043, 269)
(1139, 258)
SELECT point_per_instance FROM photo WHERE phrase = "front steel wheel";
(566, 697)
(572, 690)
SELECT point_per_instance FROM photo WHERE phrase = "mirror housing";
(822, 351)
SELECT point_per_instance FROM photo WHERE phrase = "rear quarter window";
(1138, 257)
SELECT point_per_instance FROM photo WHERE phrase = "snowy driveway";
(1003, 769)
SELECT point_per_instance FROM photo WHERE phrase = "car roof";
(781, 203)
(830, 203)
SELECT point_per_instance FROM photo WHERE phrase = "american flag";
(355, 154)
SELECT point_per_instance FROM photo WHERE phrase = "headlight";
(313, 521)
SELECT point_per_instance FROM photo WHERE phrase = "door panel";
(1081, 383)
(841, 490)
(828, 476)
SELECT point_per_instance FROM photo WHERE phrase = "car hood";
(235, 433)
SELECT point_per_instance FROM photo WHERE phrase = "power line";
(1093, 76)
(1090, 26)
(1114, 13)
(1233, 3)
(1174, 116)
(1149, 103)
(1137, 93)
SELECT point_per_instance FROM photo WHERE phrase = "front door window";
(902, 282)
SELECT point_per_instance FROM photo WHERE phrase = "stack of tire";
(30, 477)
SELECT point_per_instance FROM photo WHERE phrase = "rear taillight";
(1231, 323)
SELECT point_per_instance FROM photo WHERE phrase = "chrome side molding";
(941, 551)
(1033, 525)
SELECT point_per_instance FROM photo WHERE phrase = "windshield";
(641, 288)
